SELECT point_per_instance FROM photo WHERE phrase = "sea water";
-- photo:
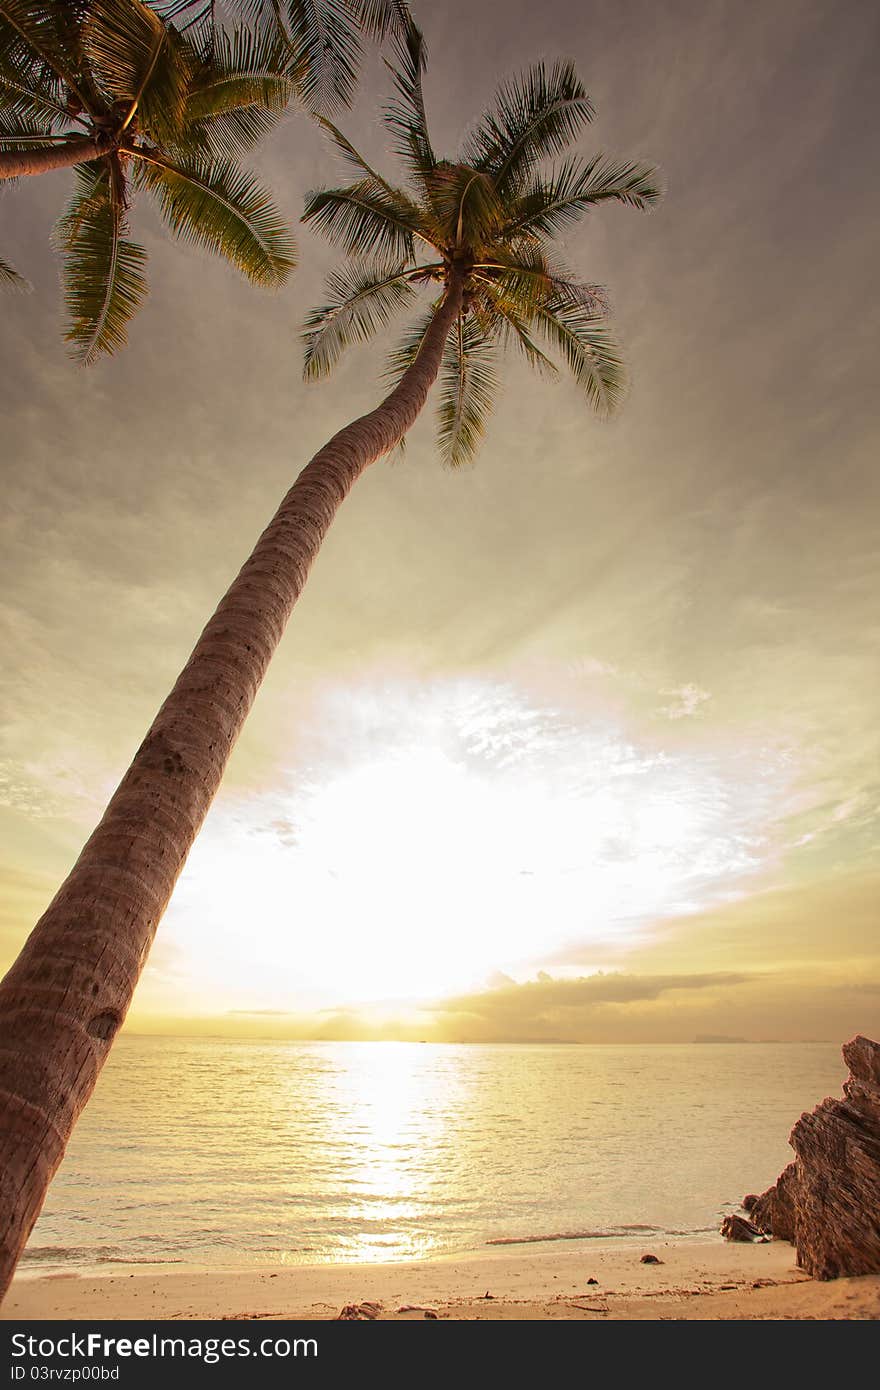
(216, 1152)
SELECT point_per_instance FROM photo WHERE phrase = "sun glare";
(465, 833)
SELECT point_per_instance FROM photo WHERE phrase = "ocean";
(204, 1151)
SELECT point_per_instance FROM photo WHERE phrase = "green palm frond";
(140, 62)
(468, 385)
(188, 14)
(364, 220)
(10, 279)
(583, 339)
(510, 324)
(323, 39)
(218, 205)
(325, 44)
(238, 97)
(103, 270)
(405, 117)
(21, 131)
(465, 204)
(529, 279)
(513, 330)
(550, 205)
(40, 38)
(534, 117)
(361, 300)
(401, 357)
(379, 18)
(343, 146)
(172, 109)
(33, 96)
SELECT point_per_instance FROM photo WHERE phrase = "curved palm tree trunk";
(16, 164)
(65, 997)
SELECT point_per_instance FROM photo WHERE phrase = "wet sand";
(707, 1280)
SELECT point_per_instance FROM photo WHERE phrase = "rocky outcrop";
(827, 1202)
(774, 1210)
(737, 1228)
(837, 1220)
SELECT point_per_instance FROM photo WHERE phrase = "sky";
(577, 744)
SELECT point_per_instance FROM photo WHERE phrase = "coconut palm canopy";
(490, 216)
(164, 99)
(322, 38)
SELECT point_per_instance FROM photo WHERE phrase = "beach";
(706, 1280)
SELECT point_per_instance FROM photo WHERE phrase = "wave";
(91, 1255)
(604, 1234)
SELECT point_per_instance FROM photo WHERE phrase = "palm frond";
(511, 327)
(325, 45)
(221, 207)
(401, 357)
(405, 117)
(103, 270)
(551, 204)
(364, 220)
(140, 62)
(379, 18)
(468, 383)
(353, 156)
(465, 204)
(361, 300)
(33, 96)
(41, 38)
(238, 97)
(186, 14)
(535, 116)
(584, 341)
(10, 279)
(529, 279)
(19, 131)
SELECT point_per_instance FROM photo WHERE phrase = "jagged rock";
(737, 1228)
(837, 1221)
(827, 1202)
(749, 1201)
(651, 1260)
(774, 1211)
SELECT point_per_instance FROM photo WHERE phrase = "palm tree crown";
(487, 218)
(136, 105)
(166, 98)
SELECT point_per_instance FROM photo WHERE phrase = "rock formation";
(827, 1202)
(774, 1211)
(737, 1228)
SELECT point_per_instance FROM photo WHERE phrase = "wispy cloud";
(686, 700)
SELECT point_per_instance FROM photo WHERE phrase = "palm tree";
(107, 86)
(139, 102)
(484, 223)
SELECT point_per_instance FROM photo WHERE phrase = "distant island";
(718, 1038)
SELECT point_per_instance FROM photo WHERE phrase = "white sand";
(711, 1280)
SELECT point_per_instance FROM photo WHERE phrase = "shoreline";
(711, 1279)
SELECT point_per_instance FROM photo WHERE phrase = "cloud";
(548, 1008)
(686, 701)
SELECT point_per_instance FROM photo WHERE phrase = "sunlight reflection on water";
(231, 1152)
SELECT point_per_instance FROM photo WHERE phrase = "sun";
(465, 832)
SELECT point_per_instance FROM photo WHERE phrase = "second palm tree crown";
(484, 222)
